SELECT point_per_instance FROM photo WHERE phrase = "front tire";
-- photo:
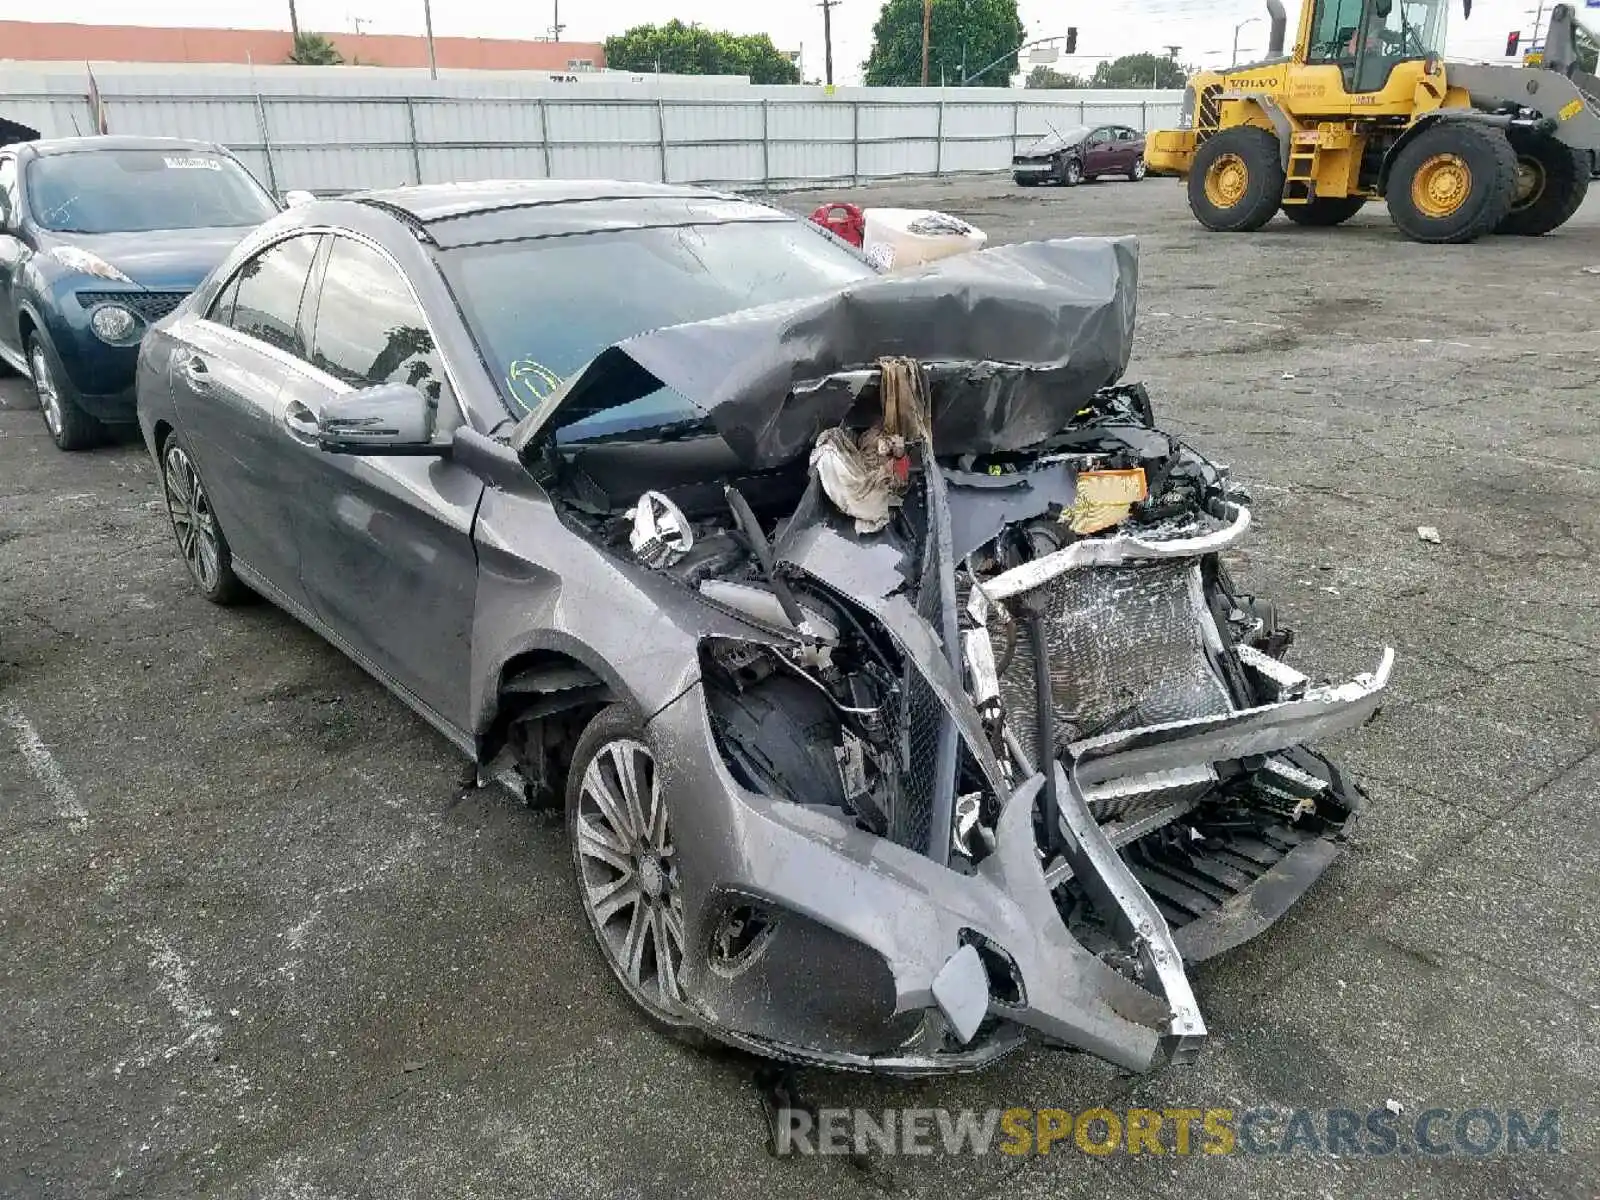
(1552, 180)
(1454, 182)
(626, 866)
(201, 542)
(1324, 211)
(70, 427)
(1236, 182)
(1071, 173)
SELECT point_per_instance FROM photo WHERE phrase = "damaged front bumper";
(932, 969)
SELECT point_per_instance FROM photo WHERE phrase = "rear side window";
(369, 328)
(263, 300)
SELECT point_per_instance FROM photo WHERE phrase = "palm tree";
(315, 50)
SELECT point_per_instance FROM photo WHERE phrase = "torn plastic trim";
(1320, 713)
(1104, 552)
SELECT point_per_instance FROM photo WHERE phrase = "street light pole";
(427, 21)
(1236, 28)
(966, 79)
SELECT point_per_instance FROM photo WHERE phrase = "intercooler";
(1126, 647)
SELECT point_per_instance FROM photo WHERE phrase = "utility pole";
(1155, 76)
(827, 38)
(555, 21)
(927, 28)
(294, 22)
(427, 24)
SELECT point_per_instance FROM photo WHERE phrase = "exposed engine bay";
(1020, 655)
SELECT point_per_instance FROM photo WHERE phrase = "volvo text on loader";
(1366, 108)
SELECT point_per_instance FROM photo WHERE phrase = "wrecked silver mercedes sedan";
(878, 642)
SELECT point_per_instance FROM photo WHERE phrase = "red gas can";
(844, 220)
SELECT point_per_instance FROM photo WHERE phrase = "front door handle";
(301, 423)
(197, 373)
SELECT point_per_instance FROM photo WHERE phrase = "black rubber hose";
(745, 517)
(1045, 699)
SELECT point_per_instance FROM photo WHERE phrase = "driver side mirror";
(388, 418)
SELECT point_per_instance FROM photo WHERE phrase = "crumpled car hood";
(1015, 340)
(1058, 140)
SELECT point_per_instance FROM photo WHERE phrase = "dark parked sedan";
(899, 705)
(1072, 155)
(99, 238)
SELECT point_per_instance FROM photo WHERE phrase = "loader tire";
(1326, 210)
(1454, 182)
(1236, 182)
(1552, 180)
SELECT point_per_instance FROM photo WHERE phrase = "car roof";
(78, 145)
(469, 214)
(432, 202)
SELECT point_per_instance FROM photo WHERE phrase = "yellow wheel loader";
(1366, 108)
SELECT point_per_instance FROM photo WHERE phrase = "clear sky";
(1202, 28)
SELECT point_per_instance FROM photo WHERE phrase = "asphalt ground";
(257, 939)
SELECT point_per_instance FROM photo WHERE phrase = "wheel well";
(25, 327)
(543, 701)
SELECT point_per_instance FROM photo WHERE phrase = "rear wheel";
(1236, 183)
(1138, 169)
(1326, 210)
(1454, 182)
(1552, 180)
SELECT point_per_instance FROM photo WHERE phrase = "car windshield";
(540, 309)
(134, 191)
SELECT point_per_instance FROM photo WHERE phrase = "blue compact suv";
(100, 237)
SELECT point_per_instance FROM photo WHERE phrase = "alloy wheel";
(44, 385)
(628, 874)
(192, 519)
(1138, 170)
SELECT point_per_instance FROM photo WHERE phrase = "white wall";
(335, 128)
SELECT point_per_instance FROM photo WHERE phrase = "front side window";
(370, 330)
(263, 299)
(135, 191)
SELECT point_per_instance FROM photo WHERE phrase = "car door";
(1096, 152)
(12, 254)
(1130, 146)
(386, 554)
(227, 372)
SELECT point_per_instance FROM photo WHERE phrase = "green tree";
(314, 50)
(970, 32)
(1141, 71)
(679, 49)
(1044, 77)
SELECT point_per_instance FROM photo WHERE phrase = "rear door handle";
(301, 423)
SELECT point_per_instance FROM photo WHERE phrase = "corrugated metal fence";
(394, 130)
